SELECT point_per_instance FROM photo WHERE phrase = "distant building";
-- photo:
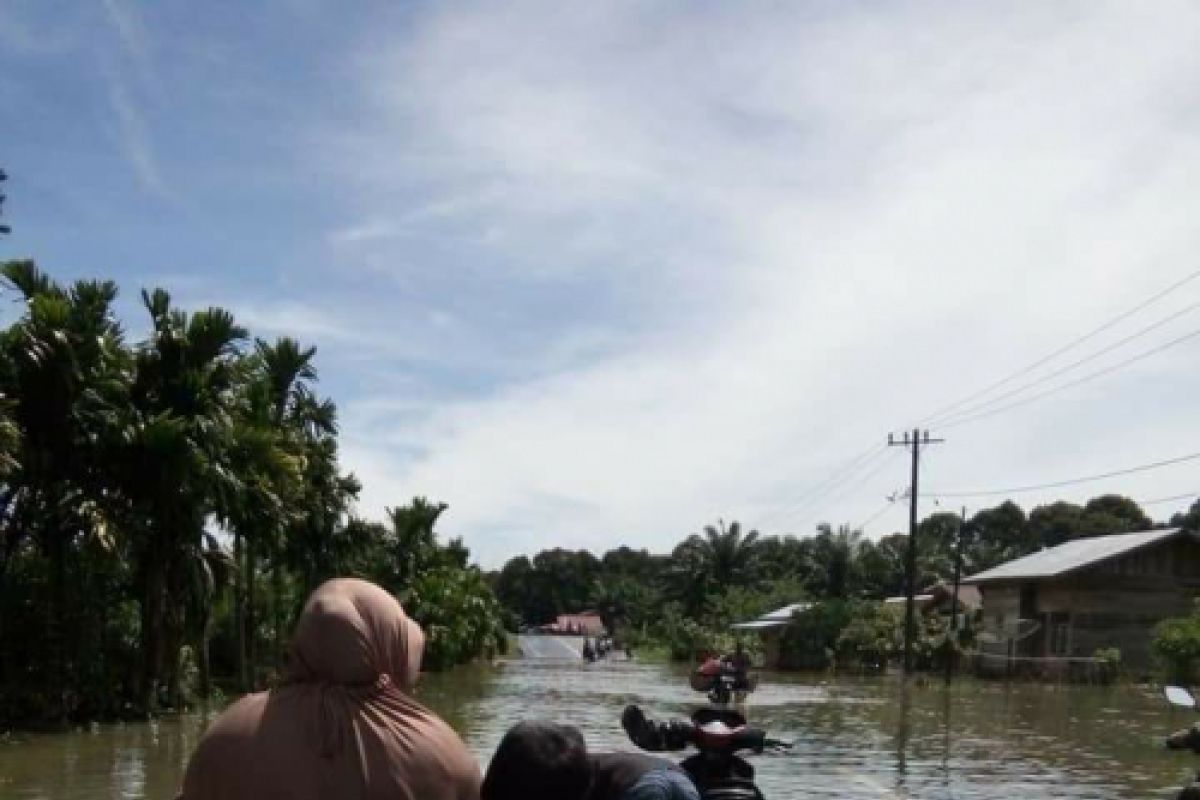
(584, 623)
(1066, 602)
(770, 627)
(939, 599)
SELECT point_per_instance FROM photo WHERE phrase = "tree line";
(167, 504)
(726, 574)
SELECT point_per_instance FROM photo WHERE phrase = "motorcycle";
(718, 735)
(722, 683)
(1186, 739)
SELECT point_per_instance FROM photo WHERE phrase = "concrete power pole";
(916, 441)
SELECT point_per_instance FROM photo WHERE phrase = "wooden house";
(1069, 601)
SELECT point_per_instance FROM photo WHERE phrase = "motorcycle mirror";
(1178, 696)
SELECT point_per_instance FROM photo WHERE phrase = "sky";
(604, 273)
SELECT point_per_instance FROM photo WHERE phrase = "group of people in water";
(603, 646)
(344, 724)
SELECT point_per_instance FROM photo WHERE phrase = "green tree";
(180, 423)
(997, 535)
(1053, 524)
(1112, 513)
(703, 565)
(835, 561)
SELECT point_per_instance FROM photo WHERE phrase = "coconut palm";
(720, 558)
(835, 554)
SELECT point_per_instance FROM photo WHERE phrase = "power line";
(1172, 498)
(1071, 384)
(845, 489)
(1072, 481)
(1075, 364)
(879, 513)
(1064, 349)
(829, 483)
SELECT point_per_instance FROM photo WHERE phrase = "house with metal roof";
(769, 628)
(1069, 601)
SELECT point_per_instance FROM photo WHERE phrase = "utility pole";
(917, 440)
(963, 526)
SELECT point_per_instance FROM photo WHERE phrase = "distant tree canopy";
(725, 571)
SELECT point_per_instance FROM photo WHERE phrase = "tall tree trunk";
(153, 604)
(172, 648)
(239, 610)
(202, 662)
(252, 611)
(277, 591)
(59, 686)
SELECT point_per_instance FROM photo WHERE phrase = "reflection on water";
(866, 738)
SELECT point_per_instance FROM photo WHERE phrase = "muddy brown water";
(854, 738)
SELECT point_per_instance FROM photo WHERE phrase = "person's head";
(351, 632)
(538, 761)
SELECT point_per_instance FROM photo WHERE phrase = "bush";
(810, 641)
(869, 641)
(685, 638)
(1176, 645)
(461, 617)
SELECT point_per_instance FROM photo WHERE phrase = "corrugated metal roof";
(901, 598)
(759, 625)
(772, 619)
(1070, 556)
(786, 612)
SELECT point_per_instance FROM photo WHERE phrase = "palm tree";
(286, 368)
(205, 571)
(63, 376)
(416, 543)
(720, 558)
(835, 557)
(177, 463)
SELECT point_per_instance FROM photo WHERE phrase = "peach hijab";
(343, 724)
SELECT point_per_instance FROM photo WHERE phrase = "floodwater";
(854, 738)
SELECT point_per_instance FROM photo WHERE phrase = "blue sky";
(601, 273)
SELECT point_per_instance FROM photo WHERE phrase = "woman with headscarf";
(344, 724)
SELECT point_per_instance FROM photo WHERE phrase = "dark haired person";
(545, 761)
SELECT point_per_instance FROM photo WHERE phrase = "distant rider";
(739, 664)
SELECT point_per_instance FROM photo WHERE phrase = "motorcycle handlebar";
(679, 734)
(1186, 739)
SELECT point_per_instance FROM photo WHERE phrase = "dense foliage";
(1176, 645)
(175, 498)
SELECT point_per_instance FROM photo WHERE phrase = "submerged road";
(550, 646)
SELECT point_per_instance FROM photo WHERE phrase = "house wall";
(1115, 604)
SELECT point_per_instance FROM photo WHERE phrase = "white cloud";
(134, 138)
(808, 228)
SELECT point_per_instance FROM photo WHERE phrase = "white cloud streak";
(817, 226)
(132, 131)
